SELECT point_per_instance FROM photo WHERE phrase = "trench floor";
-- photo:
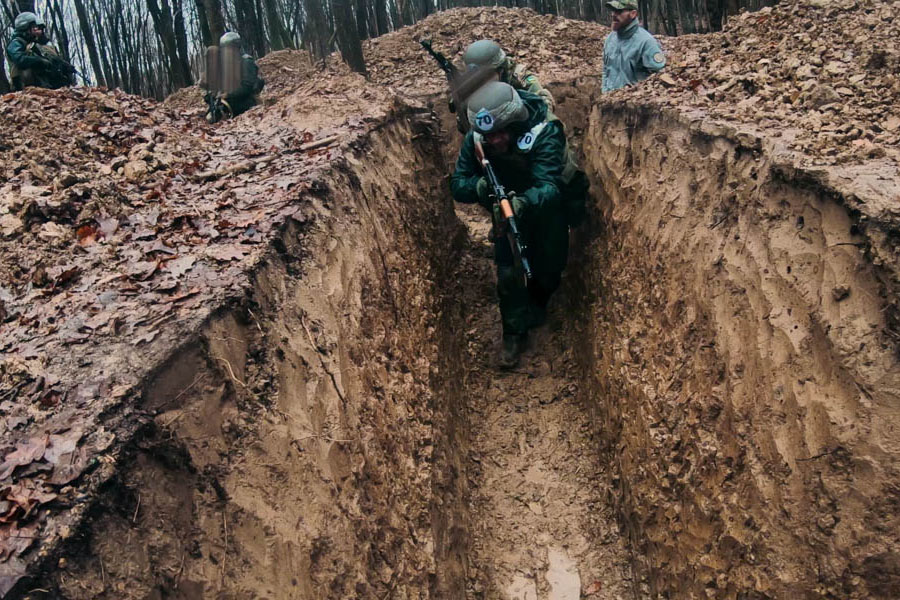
(542, 526)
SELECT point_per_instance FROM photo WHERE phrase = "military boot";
(513, 346)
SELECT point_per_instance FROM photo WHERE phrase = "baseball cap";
(623, 4)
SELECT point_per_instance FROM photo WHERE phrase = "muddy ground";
(258, 360)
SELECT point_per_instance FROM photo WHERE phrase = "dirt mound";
(124, 226)
(821, 75)
(555, 47)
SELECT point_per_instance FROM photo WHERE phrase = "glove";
(483, 190)
(519, 205)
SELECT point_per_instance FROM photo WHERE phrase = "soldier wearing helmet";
(232, 79)
(33, 61)
(488, 54)
(526, 145)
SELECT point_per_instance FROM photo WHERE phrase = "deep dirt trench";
(542, 520)
(342, 431)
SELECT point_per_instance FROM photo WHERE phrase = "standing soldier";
(526, 147)
(630, 53)
(33, 61)
(232, 79)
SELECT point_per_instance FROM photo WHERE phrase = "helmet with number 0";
(230, 38)
(26, 20)
(484, 53)
(494, 107)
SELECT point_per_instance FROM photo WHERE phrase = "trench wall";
(741, 363)
(307, 444)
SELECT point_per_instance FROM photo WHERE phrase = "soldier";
(232, 78)
(33, 61)
(489, 54)
(526, 145)
(630, 53)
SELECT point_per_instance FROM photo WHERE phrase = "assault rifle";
(447, 67)
(217, 107)
(501, 197)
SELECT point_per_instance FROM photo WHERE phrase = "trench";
(341, 432)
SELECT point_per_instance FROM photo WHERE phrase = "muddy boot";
(513, 346)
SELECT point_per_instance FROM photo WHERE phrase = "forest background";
(154, 47)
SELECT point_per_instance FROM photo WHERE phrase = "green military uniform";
(232, 79)
(245, 97)
(539, 169)
(33, 61)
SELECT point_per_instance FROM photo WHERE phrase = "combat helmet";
(26, 20)
(230, 38)
(494, 107)
(485, 53)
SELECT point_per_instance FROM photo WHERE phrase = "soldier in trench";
(33, 61)
(526, 145)
(488, 55)
(630, 52)
(232, 79)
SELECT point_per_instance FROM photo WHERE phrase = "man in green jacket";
(526, 146)
(630, 53)
(32, 60)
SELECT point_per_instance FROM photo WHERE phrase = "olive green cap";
(623, 4)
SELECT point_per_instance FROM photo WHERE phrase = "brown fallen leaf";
(87, 235)
(226, 253)
(593, 588)
(143, 270)
(179, 266)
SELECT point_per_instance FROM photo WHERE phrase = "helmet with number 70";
(494, 107)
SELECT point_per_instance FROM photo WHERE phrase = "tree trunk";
(88, 34)
(317, 30)
(162, 22)
(181, 44)
(215, 19)
(381, 16)
(362, 27)
(347, 35)
(203, 24)
(279, 38)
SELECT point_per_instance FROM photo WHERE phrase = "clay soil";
(258, 360)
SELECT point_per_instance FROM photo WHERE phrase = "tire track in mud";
(541, 526)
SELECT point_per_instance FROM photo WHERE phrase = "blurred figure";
(232, 79)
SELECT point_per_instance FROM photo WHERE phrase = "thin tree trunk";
(215, 19)
(88, 34)
(347, 35)
(162, 22)
(279, 38)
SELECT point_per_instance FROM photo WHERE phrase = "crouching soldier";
(526, 147)
(33, 60)
(232, 79)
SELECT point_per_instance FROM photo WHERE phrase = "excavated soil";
(257, 360)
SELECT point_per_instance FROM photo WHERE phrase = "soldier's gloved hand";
(519, 206)
(483, 191)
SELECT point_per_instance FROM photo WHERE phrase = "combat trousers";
(521, 307)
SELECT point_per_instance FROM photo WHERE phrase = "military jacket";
(630, 55)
